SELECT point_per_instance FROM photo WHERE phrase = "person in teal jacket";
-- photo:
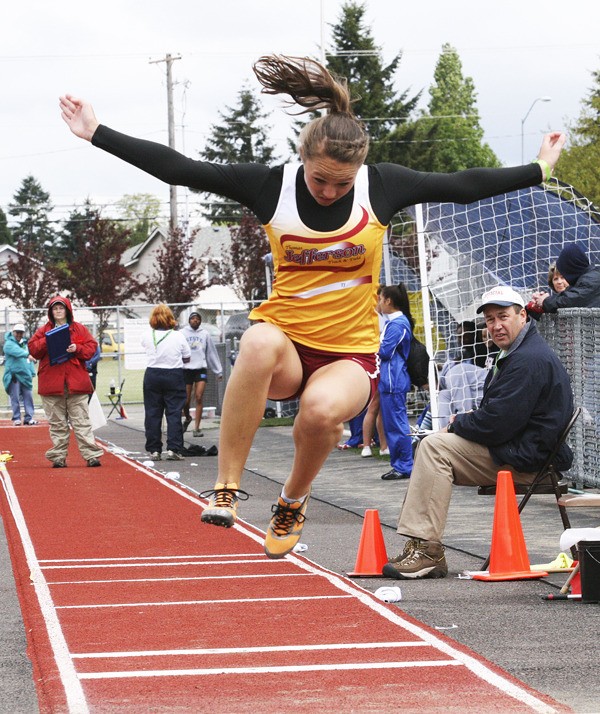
(18, 375)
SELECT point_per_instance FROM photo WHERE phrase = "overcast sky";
(515, 50)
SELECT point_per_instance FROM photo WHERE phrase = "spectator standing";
(204, 356)
(64, 387)
(91, 366)
(583, 280)
(526, 405)
(394, 381)
(164, 386)
(18, 375)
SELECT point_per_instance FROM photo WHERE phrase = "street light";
(539, 99)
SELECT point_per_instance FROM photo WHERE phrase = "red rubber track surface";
(131, 604)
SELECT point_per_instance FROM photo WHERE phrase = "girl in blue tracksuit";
(394, 382)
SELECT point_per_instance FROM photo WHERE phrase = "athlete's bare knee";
(262, 343)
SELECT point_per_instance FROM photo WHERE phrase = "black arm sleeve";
(394, 187)
(248, 184)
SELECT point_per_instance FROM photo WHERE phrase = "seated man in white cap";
(526, 405)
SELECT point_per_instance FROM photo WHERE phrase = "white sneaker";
(384, 452)
(366, 452)
(174, 456)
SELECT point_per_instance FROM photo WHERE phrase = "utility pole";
(169, 59)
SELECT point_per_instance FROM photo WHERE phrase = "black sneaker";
(394, 475)
(93, 462)
(60, 464)
(420, 559)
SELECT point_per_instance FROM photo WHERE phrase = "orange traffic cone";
(372, 555)
(576, 583)
(508, 557)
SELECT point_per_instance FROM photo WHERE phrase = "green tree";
(95, 275)
(140, 212)
(5, 234)
(579, 164)
(178, 276)
(243, 264)
(356, 57)
(29, 282)
(31, 210)
(70, 236)
(241, 137)
(448, 136)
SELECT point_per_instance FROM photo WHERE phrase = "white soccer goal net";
(448, 255)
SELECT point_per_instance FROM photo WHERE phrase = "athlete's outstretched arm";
(79, 116)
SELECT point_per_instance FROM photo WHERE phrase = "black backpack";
(417, 363)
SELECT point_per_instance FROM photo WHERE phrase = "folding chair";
(116, 400)
(547, 480)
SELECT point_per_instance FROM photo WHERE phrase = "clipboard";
(57, 341)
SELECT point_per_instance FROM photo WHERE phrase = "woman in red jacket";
(64, 388)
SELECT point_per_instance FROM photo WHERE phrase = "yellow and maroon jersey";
(325, 286)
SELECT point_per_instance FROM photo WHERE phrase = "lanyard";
(156, 344)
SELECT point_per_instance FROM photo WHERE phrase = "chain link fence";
(121, 364)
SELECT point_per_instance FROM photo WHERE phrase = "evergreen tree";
(95, 275)
(357, 58)
(31, 208)
(70, 236)
(178, 276)
(579, 164)
(243, 265)
(29, 282)
(241, 137)
(140, 212)
(5, 234)
(448, 136)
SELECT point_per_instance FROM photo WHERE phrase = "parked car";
(236, 325)
(112, 341)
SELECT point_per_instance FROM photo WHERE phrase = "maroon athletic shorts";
(312, 359)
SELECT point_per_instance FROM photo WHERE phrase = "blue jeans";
(164, 394)
(16, 392)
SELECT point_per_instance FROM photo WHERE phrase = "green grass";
(283, 421)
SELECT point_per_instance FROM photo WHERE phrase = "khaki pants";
(62, 410)
(441, 460)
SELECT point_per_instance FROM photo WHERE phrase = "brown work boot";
(420, 559)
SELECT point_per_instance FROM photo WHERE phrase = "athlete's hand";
(552, 145)
(79, 116)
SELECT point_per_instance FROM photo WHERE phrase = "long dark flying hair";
(399, 297)
(339, 134)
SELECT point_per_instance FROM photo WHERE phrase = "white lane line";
(239, 601)
(269, 670)
(153, 557)
(176, 580)
(75, 697)
(250, 650)
(84, 566)
(478, 668)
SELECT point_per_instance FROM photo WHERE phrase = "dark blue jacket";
(585, 292)
(525, 407)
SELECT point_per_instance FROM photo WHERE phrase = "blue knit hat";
(572, 262)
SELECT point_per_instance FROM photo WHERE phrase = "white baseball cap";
(19, 327)
(502, 295)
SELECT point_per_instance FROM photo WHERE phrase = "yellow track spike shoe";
(222, 504)
(285, 527)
